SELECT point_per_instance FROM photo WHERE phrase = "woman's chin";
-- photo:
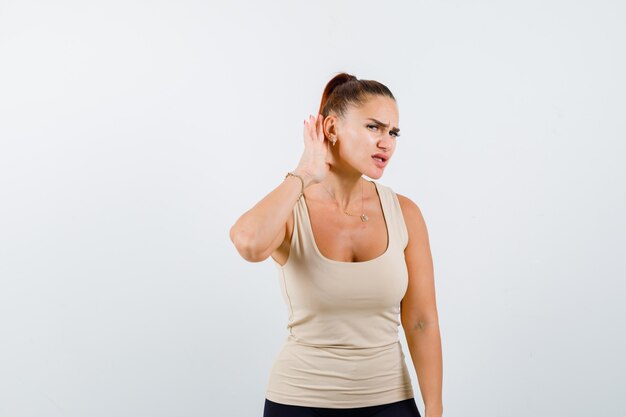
(374, 173)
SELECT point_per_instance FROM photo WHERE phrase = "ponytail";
(345, 89)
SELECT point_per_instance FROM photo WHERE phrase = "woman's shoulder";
(413, 218)
(410, 210)
(405, 202)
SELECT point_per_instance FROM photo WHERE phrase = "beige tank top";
(342, 349)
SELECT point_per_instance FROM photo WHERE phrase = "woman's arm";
(419, 310)
(260, 230)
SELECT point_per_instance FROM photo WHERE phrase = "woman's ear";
(330, 130)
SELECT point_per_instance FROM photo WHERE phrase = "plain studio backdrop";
(135, 133)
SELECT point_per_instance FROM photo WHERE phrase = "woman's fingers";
(320, 128)
(315, 122)
(307, 128)
(314, 157)
(312, 127)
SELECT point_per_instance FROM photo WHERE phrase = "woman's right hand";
(315, 158)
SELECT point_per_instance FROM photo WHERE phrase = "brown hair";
(345, 89)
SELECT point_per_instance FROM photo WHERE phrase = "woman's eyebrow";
(394, 129)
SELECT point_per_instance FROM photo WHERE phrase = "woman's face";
(364, 132)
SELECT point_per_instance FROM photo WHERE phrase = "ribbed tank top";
(342, 349)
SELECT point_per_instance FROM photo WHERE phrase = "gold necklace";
(363, 216)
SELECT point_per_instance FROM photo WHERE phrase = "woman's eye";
(394, 134)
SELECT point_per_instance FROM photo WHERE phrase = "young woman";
(354, 263)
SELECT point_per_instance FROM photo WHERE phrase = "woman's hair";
(345, 89)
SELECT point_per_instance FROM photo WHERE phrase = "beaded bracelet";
(298, 176)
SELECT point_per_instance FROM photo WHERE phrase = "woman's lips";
(379, 163)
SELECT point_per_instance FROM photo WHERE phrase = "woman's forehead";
(383, 109)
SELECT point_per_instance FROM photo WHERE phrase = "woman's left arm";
(418, 310)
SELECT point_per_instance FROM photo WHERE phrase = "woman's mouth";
(380, 162)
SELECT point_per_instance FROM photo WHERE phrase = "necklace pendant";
(364, 217)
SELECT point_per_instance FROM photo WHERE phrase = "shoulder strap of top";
(396, 221)
(301, 241)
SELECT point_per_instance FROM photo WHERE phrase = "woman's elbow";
(243, 243)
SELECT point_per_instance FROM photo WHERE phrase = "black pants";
(404, 408)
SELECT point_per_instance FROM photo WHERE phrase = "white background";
(133, 134)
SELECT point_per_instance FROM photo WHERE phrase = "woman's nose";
(385, 142)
